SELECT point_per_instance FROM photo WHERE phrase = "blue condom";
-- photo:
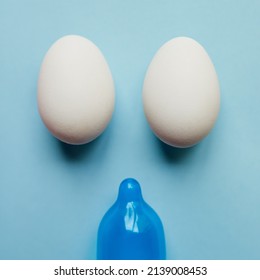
(131, 229)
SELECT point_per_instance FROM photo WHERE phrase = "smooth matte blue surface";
(53, 196)
(130, 229)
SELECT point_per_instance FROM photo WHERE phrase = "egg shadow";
(175, 155)
(75, 153)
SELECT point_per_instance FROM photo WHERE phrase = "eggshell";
(181, 94)
(75, 90)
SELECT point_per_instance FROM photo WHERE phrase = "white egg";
(75, 90)
(181, 94)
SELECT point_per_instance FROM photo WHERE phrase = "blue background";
(53, 196)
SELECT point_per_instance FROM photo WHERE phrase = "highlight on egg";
(181, 93)
(75, 90)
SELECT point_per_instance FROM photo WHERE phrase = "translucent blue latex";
(130, 230)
